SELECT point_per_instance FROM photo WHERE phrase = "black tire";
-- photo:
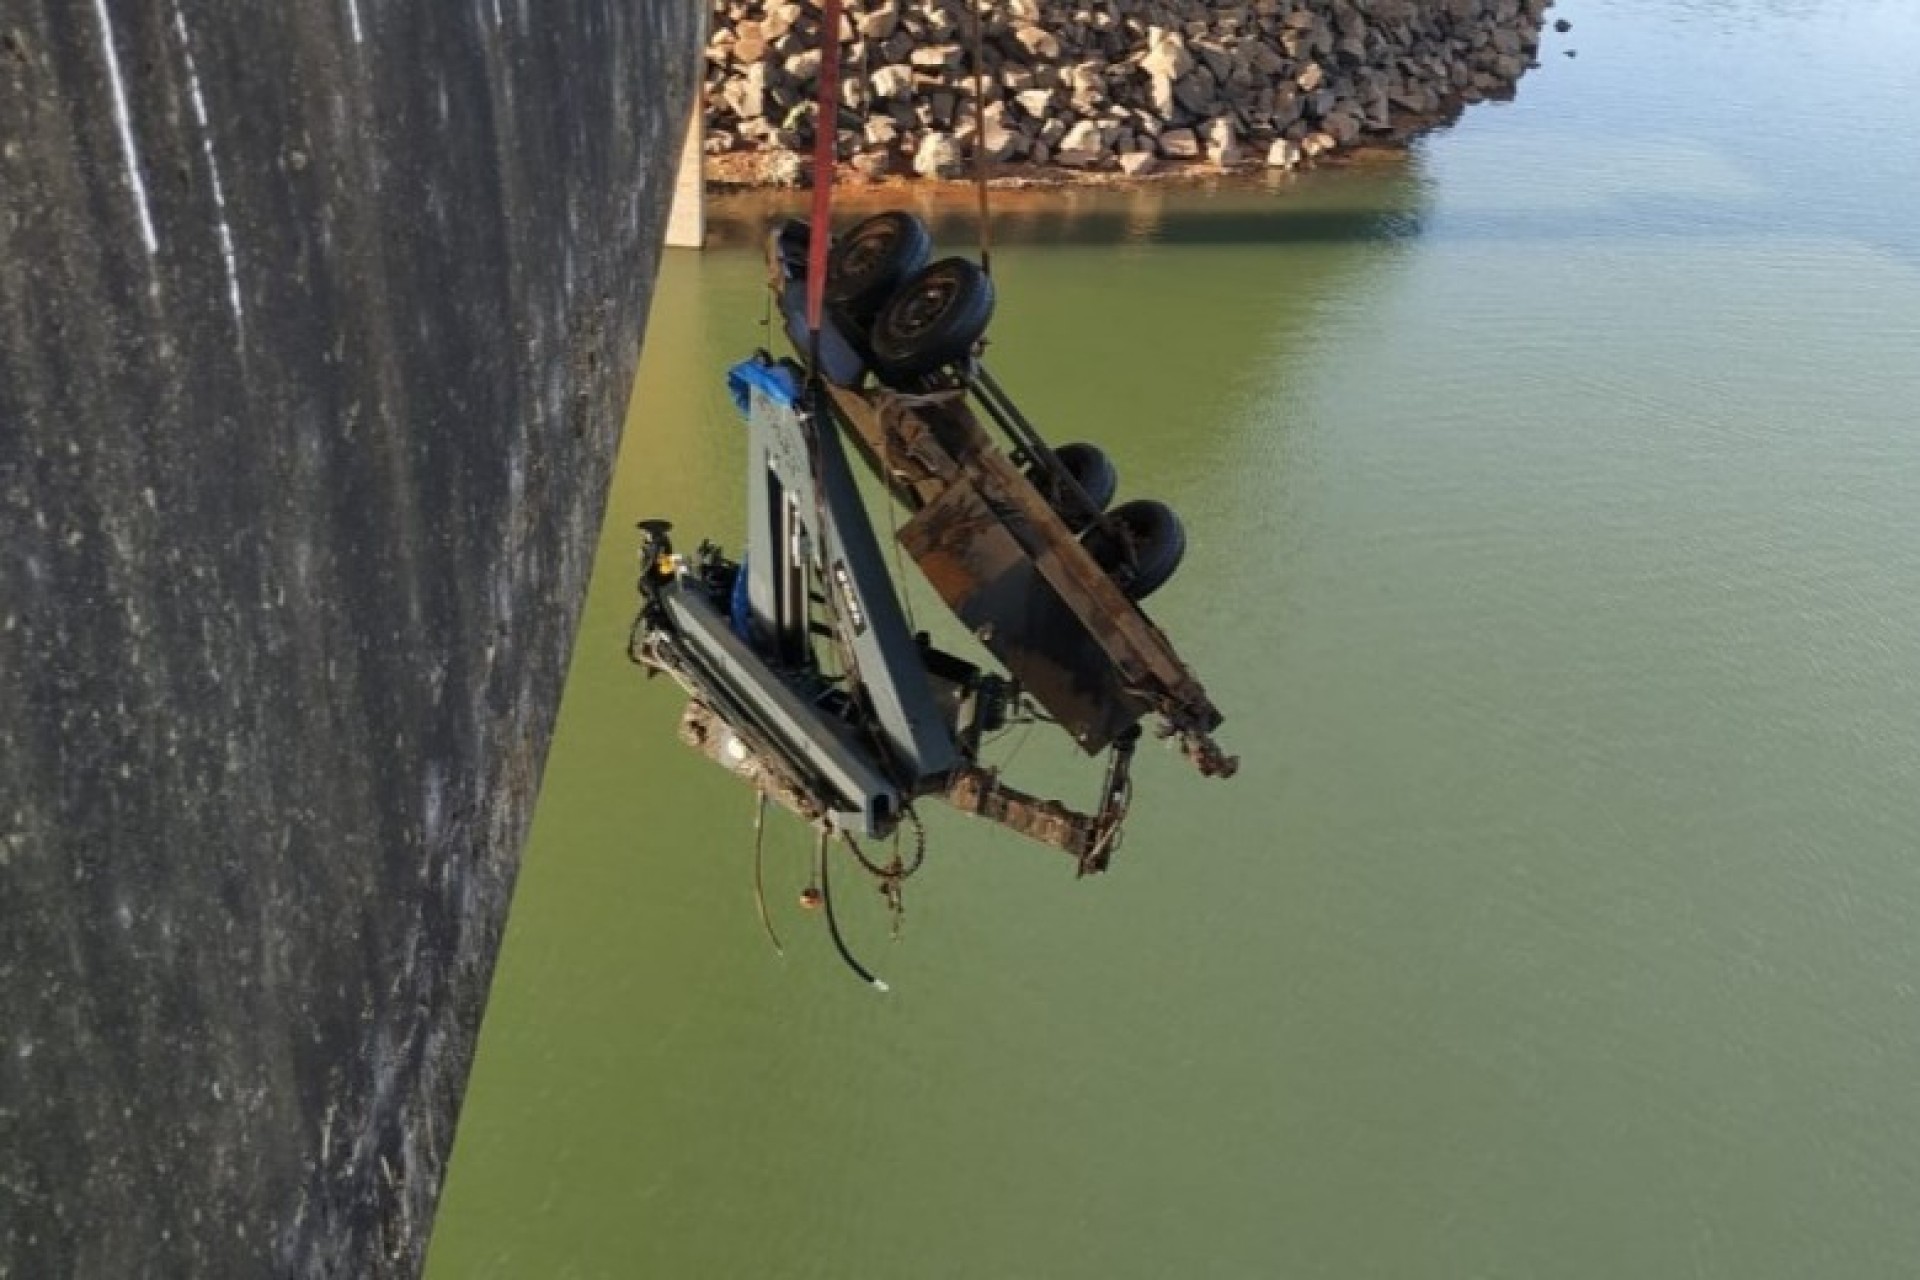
(1140, 544)
(872, 260)
(933, 320)
(1090, 466)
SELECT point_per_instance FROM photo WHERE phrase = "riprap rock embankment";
(1126, 86)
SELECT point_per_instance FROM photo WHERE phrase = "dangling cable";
(980, 135)
(759, 884)
(833, 922)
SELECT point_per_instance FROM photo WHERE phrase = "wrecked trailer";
(804, 675)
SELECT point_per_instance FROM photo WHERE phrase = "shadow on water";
(1321, 209)
(1330, 207)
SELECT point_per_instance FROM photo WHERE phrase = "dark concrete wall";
(317, 323)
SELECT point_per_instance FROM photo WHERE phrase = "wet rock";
(1223, 147)
(1342, 125)
(1283, 154)
(1179, 144)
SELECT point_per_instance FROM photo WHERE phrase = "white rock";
(802, 68)
(1037, 103)
(892, 82)
(939, 156)
(1038, 41)
(1084, 136)
(1137, 164)
(1166, 54)
(1000, 141)
(780, 19)
(1283, 154)
(1160, 93)
(1222, 147)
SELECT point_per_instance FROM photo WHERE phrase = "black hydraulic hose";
(833, 924)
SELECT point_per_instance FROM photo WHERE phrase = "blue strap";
(775, 381)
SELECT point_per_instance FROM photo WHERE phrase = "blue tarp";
(776, 381)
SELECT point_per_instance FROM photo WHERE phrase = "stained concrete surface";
(317, 323)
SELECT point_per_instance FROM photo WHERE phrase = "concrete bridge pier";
(317, 329)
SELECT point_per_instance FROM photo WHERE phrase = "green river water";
(1554, 496)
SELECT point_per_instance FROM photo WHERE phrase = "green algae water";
(1554, 496)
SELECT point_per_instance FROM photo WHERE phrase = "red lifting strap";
(825, 160)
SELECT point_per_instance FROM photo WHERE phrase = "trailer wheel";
(872, 260)
(934, 319)
(1140, 544)
(1092, 469)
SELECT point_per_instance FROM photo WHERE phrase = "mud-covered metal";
(1007, 565)
(849, 732)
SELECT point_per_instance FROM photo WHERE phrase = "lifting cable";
(980, 135)
(819, 242)
(826, 159)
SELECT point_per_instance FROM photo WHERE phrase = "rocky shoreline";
(1101, 90)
